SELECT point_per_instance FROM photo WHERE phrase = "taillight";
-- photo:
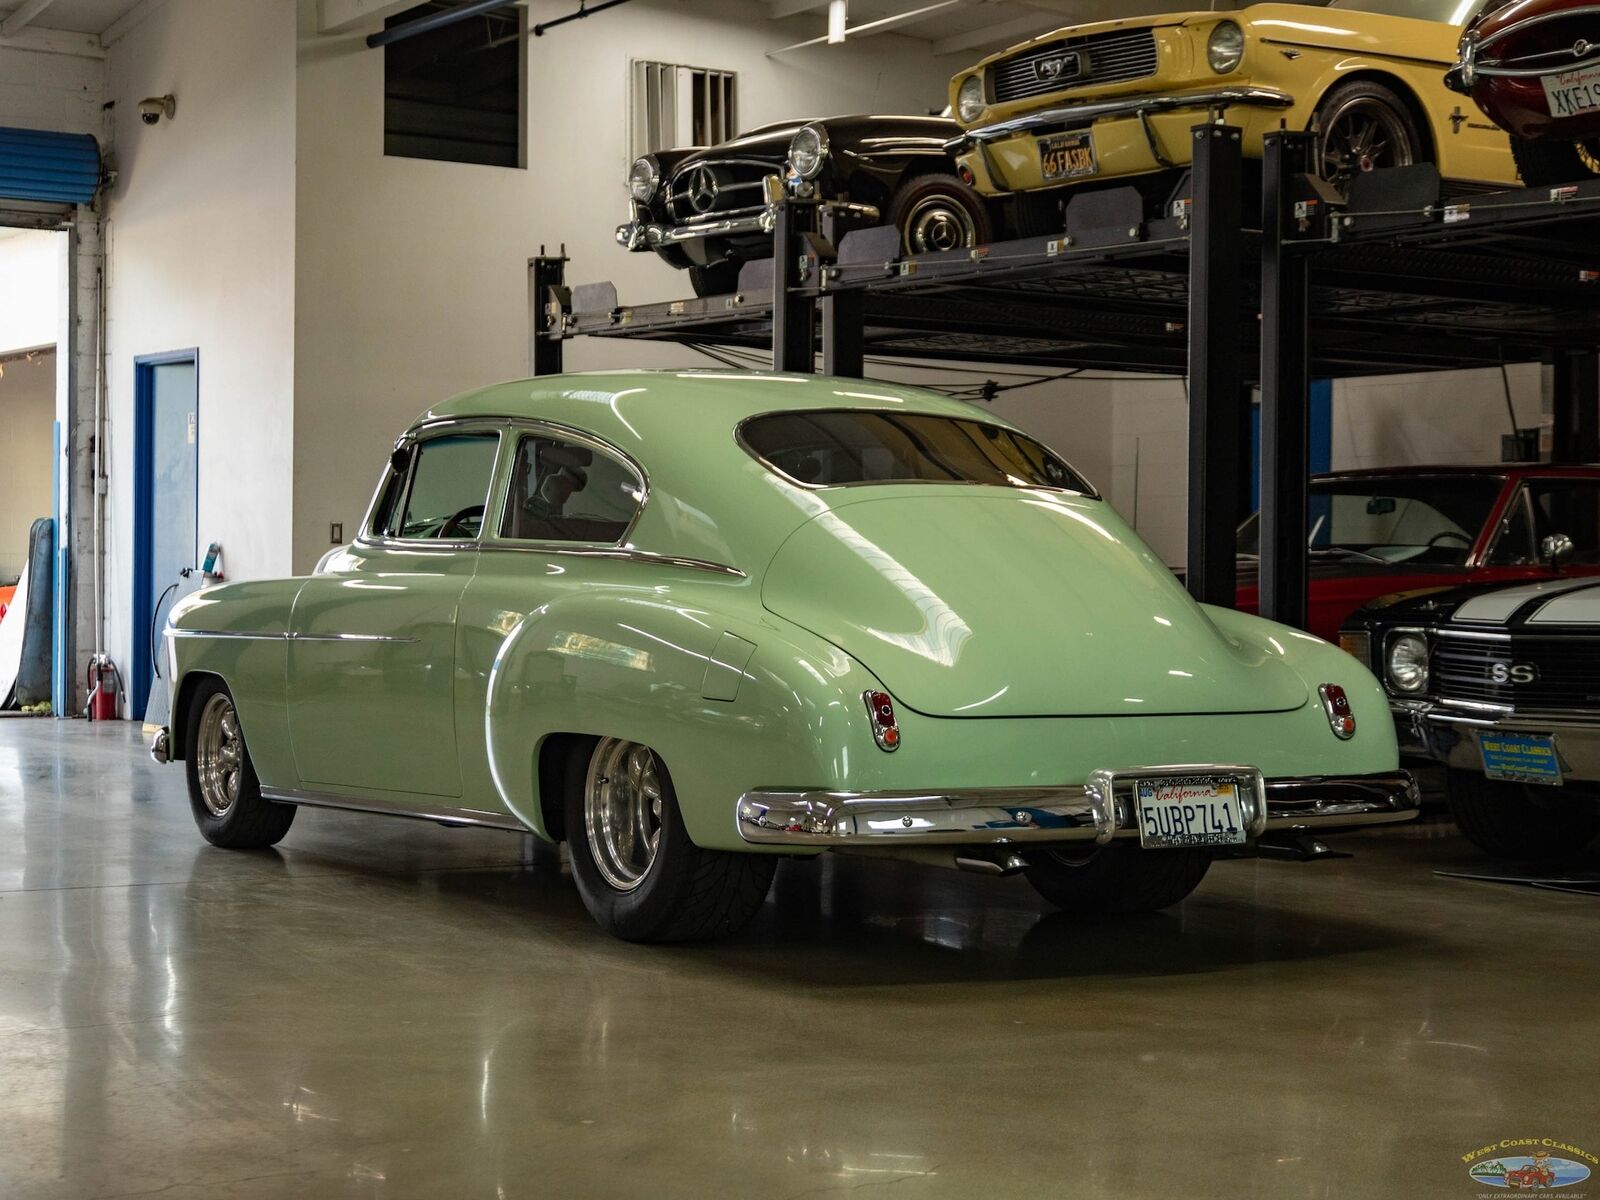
(1337, 705)
(885, 730)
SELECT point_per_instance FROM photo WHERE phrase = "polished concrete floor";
(386, 1008)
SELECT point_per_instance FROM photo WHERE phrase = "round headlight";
(1226, 48)
(808, 150)
(1408, 663)
(970, 100)
(644, 177)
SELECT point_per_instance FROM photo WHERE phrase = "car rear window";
(838, 448)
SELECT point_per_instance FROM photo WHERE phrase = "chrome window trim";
(1521, 507)
(619, 553)
(738, 436)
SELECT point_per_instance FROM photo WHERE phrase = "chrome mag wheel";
(1363, 134)
(622, 811)
(219, 755)
(937, 223)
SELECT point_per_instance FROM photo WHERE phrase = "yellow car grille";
(1098, 59)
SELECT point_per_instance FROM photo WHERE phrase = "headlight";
(1408, 663)
(644, 177)
(808, 150)
(1226, 48)
(970, 100)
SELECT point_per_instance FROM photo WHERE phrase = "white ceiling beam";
(881, 25)
(128, 20)
(779, 9)
(993, 35)
(55, 41)
(341, 16)
(22, 16)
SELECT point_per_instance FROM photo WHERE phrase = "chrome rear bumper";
(1091, 812)
(1078, 116)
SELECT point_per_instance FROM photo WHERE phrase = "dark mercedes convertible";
(705, 209)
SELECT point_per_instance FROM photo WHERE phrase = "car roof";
(1461, 471)
(672, 400)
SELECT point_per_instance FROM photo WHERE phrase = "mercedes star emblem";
(702, 190)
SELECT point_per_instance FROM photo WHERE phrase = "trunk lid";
(971, 601)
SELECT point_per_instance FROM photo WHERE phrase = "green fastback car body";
(1027, 637)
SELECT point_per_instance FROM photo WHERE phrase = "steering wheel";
(1450, 533)
(454, 524)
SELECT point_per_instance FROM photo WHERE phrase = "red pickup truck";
(1375, 532)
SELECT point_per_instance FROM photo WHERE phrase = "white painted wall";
(27, 421)
(30, 289)
(411, 279)
(200, 241)
(59, 92)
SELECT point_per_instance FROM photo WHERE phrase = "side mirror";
(1556, 549)
(400, 459)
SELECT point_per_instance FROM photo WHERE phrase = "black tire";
(1397, 139)
(1522, 822)
(1039, 214)
(1552, 161)
(715, 279)
(246, 821)
(685, 894)
(1117, 879)
(939, 212)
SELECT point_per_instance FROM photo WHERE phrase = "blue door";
(166, 503)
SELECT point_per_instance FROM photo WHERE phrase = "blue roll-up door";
(56, 168)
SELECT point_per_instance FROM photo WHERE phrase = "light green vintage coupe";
(691, 622)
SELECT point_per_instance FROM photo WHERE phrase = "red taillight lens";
(1337, 705)
(880, 710)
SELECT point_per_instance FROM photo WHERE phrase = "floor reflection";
(382, 1009)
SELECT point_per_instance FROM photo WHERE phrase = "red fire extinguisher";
(103, 680)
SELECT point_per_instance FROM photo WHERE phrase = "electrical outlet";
(336, 533)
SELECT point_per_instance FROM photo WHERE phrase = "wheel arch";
(182, 702)
(1366, 73)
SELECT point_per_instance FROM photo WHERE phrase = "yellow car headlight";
(1225, 50)
(970, 100)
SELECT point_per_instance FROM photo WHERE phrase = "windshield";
(1451, 12)
(829, 448)
(1418, 520)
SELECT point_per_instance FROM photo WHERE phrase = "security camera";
(152, 109)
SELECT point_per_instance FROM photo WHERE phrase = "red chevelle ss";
(1533, 67)
(1391, 530)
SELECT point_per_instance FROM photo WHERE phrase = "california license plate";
(1572, 93)
(1520, 757)
(1189, 810)
(1068, 156)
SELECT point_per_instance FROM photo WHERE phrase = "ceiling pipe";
(22, 16)
(870, 27)
(583, 11)
(438, 20)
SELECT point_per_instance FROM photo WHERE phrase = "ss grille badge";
(1503, 672)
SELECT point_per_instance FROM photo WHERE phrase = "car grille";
(1106, 58)
(1567, 671)
(736, 191)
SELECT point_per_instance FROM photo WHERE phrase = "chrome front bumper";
(1450, 736)
(1077, 116)
(1101, 811)
(643, 235)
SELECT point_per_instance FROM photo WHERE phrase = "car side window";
(445, 490)
(1570, 508)
(561, 491)
(1514, 541)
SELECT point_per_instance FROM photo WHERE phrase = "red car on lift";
(1533, 67)
(1375, 532)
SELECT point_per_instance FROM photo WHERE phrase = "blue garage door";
(55, 168)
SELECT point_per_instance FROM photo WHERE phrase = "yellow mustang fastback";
(1118, 99)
